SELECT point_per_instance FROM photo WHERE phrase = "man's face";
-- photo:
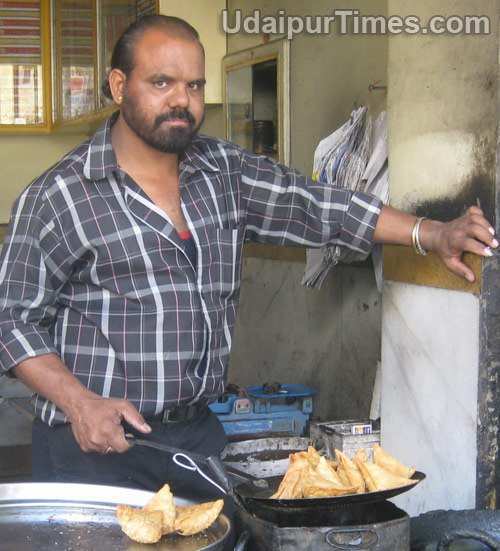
(163, 96)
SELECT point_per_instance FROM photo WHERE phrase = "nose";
(179, 96)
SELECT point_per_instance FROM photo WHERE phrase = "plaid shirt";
(92, 270)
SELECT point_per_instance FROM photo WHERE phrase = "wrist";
(74, 400)
(430, 230)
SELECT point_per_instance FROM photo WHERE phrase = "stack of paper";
(354, 157)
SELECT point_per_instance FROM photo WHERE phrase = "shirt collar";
(195, 158)
(101, 159)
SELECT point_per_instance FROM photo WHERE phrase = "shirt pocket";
(225, 268)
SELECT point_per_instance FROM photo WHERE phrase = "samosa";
(353, 474)
(316, 485)
(377, 478)
(390, 463)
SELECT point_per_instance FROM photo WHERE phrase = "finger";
(98, 444)
(106, 438)
(460, 269)
(481, 221)
(99, 433)
(474, 246)
(83, 440)
(117, 441)
(481, 233)
(88, 446)
(133, 417)
(475, 210)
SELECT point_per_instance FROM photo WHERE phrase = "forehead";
(158, 51)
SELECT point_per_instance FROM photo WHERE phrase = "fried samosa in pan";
(390, 463)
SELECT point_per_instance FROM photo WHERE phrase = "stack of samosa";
(310, 475)
(160, 516)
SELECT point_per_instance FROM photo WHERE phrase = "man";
(120, 274)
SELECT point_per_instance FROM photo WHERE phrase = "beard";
(157, 135)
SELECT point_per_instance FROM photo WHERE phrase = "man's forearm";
(395, 227)
(48, 376)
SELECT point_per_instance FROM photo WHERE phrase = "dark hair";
(123, 52)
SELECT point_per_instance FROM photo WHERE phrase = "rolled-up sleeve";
(284, 207)
(32, 270)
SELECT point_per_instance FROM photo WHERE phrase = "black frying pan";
(254, 494)
(254, 497)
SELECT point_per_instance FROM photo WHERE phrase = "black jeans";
(58, 458)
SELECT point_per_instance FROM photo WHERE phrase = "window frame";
(46, 49)
(52, 77)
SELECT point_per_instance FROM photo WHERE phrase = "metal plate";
(81, 517)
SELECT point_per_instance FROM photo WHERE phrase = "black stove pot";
(370, 527)
(467, 530)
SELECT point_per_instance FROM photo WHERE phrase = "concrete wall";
(329, 339)
(213, 124)
(442, 105)
(430, 352)
(442, 111)
(24, 157)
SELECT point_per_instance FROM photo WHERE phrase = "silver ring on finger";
(109, 449)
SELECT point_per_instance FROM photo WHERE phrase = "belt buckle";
(185, 413)
(166, 417)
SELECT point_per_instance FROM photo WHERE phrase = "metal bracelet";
(415, 237)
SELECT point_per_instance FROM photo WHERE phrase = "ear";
(117, 81)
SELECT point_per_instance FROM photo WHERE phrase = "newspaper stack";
(354, 157)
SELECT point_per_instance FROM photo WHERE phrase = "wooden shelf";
(403, 265)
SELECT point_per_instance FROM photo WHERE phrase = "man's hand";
(449, 240)
(97, 423)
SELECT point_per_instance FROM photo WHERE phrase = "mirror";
(256, 90)
(256, 99)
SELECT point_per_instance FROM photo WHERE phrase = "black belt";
(181, 414)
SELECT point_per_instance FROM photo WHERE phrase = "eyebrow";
(163, 76)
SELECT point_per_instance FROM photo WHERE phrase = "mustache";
(181, 114)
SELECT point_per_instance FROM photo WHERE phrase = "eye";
(196, 86)
(160, 84)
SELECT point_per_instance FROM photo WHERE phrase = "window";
(115, 18)
(21, 64)
(54, 57)
(256, 104)
(75, 55)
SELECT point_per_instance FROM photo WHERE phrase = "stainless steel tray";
(81, 517)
